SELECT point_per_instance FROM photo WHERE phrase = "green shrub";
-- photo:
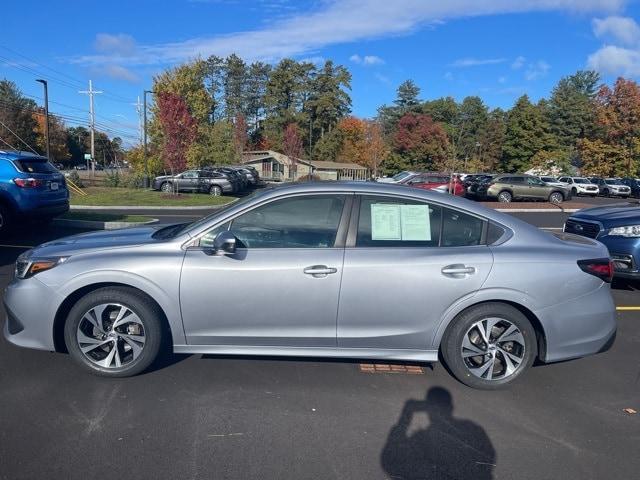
(113, 179)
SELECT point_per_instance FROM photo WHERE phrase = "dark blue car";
(30, 187)
(618, 227)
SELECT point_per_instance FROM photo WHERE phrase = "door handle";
(319, 270)
(458, 270)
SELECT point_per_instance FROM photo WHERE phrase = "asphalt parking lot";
(210, 417)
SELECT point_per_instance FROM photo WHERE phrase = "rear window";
(34, 166)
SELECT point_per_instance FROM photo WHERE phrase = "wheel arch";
(67, 304)
(541, 338)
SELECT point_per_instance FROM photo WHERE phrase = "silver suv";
(418, 275)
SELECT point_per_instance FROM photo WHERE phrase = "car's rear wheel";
(556, 197)
(114, 332)
(166, 187)
(505, 197)
(215, 190)
(574, 192)
(489, 346)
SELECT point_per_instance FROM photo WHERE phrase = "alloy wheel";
(493, 349)
(111, 335)
(556, 197)
(504, 197)
(167, 188)
(215, 191)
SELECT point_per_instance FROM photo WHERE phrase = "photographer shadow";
(449, 448)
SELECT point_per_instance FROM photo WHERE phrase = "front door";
(410, 262)
(280, 288)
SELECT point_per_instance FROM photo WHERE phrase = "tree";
(179, 129)
(422, 143)
(188, 82)
(235, 87)
(329, 100)
(376, 150)
(292, 144)
(59, 149)
(240, 136)
(354, 145)
(492, 141)
(16, 113)
(407, 97)
(527, 132)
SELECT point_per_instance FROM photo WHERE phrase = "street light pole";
(46, 116)
(146, 182)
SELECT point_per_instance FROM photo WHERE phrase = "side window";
(517, 179)
(460, 229)
(295, 222)
(505, 180)
(393, 222)
(190, 174)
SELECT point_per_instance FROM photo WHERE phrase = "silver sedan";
(347, 270)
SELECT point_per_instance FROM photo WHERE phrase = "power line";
(92, 126)
(19, 138)
(8, 145)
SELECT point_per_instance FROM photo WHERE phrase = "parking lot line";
(628, 309)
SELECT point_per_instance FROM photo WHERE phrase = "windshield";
(548, 179)
(580, 180)
(172, 231)
(399, 176)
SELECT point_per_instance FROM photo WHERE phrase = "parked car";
(611, 187)
(232, 173)
(419, 276)
(553, 181)
(198, 181)
(438, 182)
(397, 178)
(634, 186)
(580, 186)
(80, 167)
(471, 184)
(30, 187)
(617, 227)
(251, 174)
(508, 187)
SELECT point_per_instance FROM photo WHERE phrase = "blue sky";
(497, 49)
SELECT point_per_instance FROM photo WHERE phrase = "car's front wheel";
(505, 197)
(114, 332)
(166, 187)
(215, 190)
(556, 197)
(489, 346)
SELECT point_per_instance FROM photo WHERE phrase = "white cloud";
(448, 76)
(119, 44)
(518, 63)
(475, 62)
(624, 30)
(116, 71)
(537, 70)
(340, 21)
(612, 60)
(366, 60)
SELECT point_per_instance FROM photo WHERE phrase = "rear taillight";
(600, 267)
(28, 182)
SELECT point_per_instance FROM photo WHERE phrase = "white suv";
(580, 186)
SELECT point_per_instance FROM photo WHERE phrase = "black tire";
(556, 197)
(146, 310)
(505, 197)
(215, 190)
(574, 192)
(166, 187)
(605, 193)
(451, 345)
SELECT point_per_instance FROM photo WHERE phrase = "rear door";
(406, 262)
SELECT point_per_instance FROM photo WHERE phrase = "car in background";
(472, 182)
(611, 187)
(634, 186)
(397, 178)
(484, 291)
(240, 178)
(508, 187)
(443, 183)
(580, 186)
(618, 228)
(30, 187)
(553, 181)
(249, 172)
(195, 181)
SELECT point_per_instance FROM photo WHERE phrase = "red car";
(435, 181)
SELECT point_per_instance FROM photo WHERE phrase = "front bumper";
(579, 327)
(31, 307)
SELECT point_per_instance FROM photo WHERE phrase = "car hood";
(94, 241)
(612, 215)
(163, 177)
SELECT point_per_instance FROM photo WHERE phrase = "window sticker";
(415, 222)
(385, 222)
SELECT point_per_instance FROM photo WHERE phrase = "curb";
(97, 225)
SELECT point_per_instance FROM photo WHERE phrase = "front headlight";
(28, 267)
(626, 231)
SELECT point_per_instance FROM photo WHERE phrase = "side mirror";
(225, 242)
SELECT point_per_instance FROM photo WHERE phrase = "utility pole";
(46, 116)
(92, 121)
(146, 181)
(138, 106)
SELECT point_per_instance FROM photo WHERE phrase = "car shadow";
(448, 448)
(625, 284)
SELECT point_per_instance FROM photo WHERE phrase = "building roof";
(256, 155)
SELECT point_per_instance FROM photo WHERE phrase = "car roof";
(16, 154)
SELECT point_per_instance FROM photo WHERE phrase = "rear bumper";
(580, 327)
(47, 210)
